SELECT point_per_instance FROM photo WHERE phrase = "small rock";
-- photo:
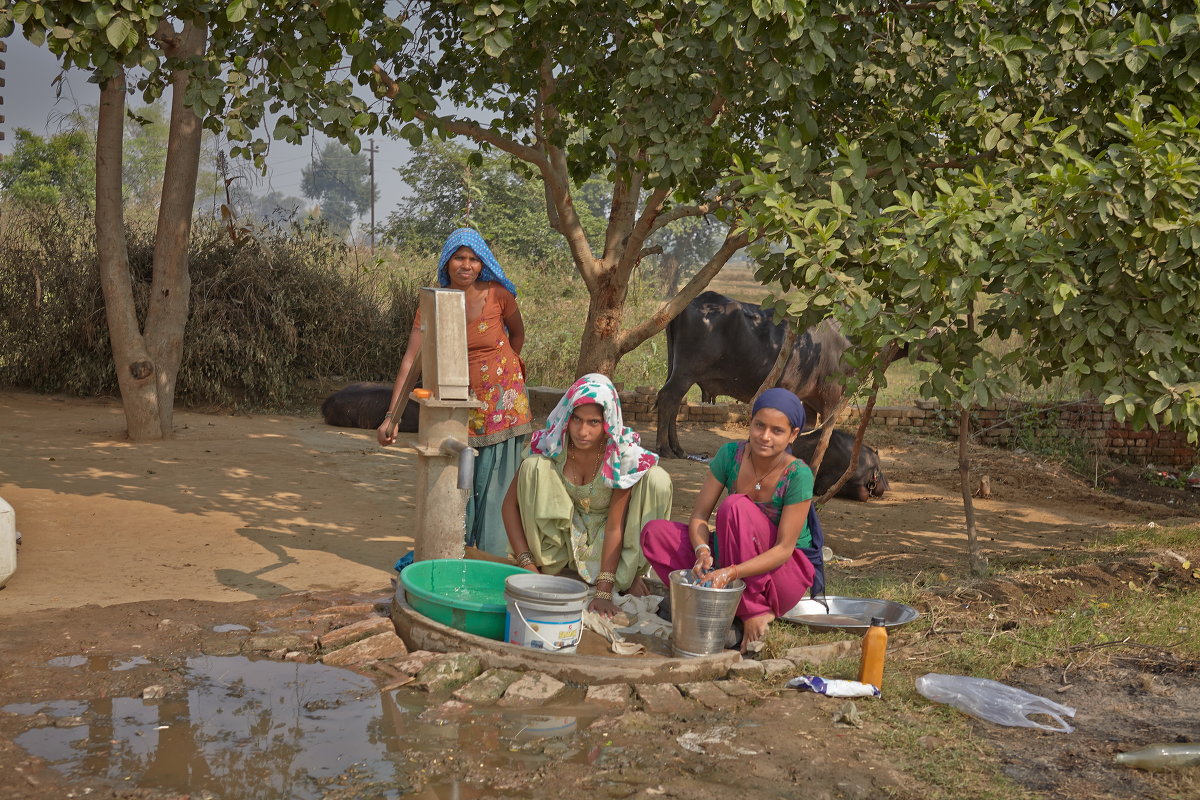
(447, 671)
(488, 687)
(295, 655)
(660, 698)
(747, 669)
(278, 655)
(613, 695)
(185, 628)
(532, 689)
(847, 716)
(773, 667)
(340, 637)
(154, 692)
(365, 651)
(69, 722)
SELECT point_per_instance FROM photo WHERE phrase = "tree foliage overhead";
(1028, 171)
(452, 185)
(657, 98)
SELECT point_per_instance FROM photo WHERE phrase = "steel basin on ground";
(421, 633)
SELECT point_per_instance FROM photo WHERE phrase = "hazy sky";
(29, 101)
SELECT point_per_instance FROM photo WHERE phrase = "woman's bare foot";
(756, 628)
(638, 588)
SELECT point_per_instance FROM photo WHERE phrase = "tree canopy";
(1027, 172)
(340, 181)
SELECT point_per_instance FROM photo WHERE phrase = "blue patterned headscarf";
(469, 237)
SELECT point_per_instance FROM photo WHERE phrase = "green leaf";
(118, 31)
(1136, 59)
(235, 11)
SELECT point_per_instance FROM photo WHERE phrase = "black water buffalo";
(362, 405)
(866, 482)
(728, 347)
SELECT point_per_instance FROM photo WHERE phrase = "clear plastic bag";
(994, 702)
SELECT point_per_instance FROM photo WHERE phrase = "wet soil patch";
(1118, 709)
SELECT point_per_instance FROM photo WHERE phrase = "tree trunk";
(600, 349)
(979, 562)
(170, 287)
(135, 368)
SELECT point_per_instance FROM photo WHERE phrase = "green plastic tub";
(465, 594)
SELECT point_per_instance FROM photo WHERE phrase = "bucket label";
(543, 634)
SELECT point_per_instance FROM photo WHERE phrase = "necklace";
(758, 479)
(582, 470)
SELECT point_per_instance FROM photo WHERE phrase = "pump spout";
(466, 461)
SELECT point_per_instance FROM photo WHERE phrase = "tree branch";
(631, 338)
(680, 212)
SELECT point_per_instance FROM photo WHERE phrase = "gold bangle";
(524, 559)
(600, 595)
(611, 577)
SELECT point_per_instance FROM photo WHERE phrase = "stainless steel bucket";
(701, 615)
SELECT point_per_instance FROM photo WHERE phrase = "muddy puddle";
(234, 727)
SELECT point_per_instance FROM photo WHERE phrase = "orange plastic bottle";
(874, 648)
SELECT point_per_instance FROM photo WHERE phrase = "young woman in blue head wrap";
(763, 526)
(495, 335)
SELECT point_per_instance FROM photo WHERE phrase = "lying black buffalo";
(362, 405)
(867, 481)
(728, 347)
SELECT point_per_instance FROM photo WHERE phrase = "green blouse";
(795, 485)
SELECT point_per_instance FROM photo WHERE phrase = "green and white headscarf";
(625, 460)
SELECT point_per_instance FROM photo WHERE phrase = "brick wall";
(996, 426)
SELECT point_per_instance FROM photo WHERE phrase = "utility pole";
(372, 150)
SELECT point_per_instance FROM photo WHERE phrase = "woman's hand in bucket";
(605, 608)
(704, 561)
(722, 577)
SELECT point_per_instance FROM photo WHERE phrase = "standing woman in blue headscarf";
(767, 533)
(495, 335)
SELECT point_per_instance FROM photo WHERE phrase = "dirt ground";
(236, 512)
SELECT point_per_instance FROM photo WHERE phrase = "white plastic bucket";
(544, 612)
(8, 541)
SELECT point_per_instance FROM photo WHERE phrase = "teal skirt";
(495, 468)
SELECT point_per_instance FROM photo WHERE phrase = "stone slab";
(340, 637)
(366, 651)
(611, 695)
(448, 671)
(660, 698)
(488, 687)
(818, 654)
(532, 689)
(774, 667)
(747, 669)
(708, 695)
